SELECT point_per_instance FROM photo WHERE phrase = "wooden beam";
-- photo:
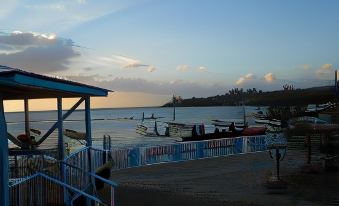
(55, 125)
(4, 195)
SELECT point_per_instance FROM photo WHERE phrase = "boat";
(144, 130)
(272, 125)
(312, 123)
(226, 123)
(252, 131)
(314, 108)
(74, 134)
(149, 127)
(198, 134)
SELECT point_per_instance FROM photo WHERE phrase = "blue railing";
(76, 177)
(41, 189)
(80, 171)
(140, 156)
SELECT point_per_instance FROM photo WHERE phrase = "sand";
(232, 180)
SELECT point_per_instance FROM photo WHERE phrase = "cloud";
(37, 52)
(306, 67)
(126, 62)
(183, 68)
(18, 39)
(184, 88)
(60, 15)
(269, 77)
(202, 69)
(243, 79)
(324, 70)
(151, 69)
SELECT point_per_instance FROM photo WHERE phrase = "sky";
(148, 50)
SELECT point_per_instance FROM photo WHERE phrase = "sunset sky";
(147, 50)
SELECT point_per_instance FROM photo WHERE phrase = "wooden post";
(4, 194)
(173, 107)
(336, 84)
(27, 128)
(88, 121)
(309, 152)
(88, 137)
(60, 130)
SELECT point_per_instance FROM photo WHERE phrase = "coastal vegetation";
(288, 96)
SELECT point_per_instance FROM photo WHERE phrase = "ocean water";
(116, 123)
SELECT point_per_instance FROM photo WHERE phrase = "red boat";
(251, 131)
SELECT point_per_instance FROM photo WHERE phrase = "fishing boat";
(198, 133)
(313, 108)
(149, 127)
(272, 125)
(310, 122)
(147, 130)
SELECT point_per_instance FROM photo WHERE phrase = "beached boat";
(145, 130)
(313, 108)
(311, 123)
(198, 133)
(74, 134)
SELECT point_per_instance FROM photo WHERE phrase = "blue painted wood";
(88, 121)
(27, 128)
(109, 182)
(4, 195)
(70, 188)
(88, 137)
(61, 86)
(55, 125)
(60, 130)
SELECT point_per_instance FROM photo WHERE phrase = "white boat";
(318, 108)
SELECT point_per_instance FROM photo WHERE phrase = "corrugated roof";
(17, 84)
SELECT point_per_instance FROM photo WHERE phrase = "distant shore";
(231, 180)
(252, 97)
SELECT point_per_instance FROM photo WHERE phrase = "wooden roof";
(19, 84)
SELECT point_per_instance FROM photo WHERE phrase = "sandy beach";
(231, 180)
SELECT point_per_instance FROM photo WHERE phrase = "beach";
(230, 180)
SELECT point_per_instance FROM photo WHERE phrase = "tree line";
(288, 96)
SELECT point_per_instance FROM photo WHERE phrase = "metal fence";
(140, 156)
(77, 178)
(81, 170)
(42, 180)
(23, 164)
(41, 189)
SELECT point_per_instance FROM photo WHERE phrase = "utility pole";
(336, 85)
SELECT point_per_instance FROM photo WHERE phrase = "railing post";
(134, 157)
(200, 149)
(177, 152)
(245, 145)
(4, 194)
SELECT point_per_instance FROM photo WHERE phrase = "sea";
(120, 123)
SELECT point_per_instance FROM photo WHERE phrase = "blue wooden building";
(66, 179)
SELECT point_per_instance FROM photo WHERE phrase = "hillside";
(286, 97)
